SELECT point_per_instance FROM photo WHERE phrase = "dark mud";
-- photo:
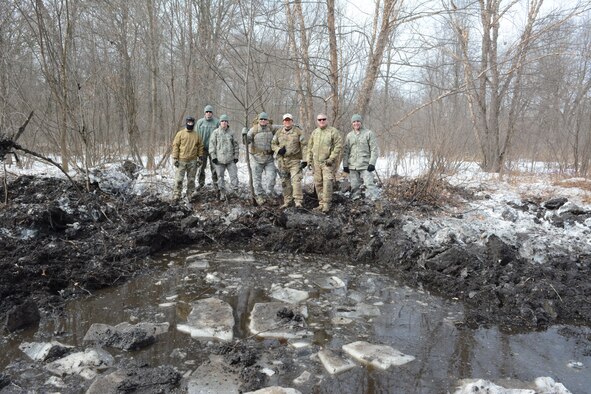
(57, 243)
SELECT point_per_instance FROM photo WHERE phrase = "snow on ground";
(495, 211)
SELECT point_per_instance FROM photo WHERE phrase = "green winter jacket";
(360, 150)
(205, 127)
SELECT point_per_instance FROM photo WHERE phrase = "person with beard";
(188, 153)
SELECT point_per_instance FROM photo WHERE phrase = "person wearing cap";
(206, 126)
(187, 153)
(224, 151)
(289, 145)
(324, 149)
(360, 154)
(259, 137)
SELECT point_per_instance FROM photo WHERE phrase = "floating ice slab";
(209, 318)
(303, 378)
(287, 294)
(41, 351)
(356, 311)
(379, 356)
(330, 283)
(234, 257)
(334, 363)
(275, 390)
(213, 378)
(84, 363)
(198, 264)
(542, 385)
(278, 320)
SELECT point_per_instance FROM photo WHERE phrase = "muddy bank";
(56, 243)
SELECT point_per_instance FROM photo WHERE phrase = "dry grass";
(425, 191)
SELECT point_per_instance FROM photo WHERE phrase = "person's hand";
(215, 161)
(176, 163)
(371, 168)
(346, 169)
(235, 160)
(303, 165)
(282, 151)
(244, 131)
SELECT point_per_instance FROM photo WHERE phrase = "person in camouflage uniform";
(206, 126)
(187, 153)
(360, 154)
(224, 151)
(324, 149)
(259, 137)
(289, 145)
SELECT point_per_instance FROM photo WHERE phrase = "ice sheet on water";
(379, 356)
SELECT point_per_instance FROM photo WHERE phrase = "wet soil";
(57, 243)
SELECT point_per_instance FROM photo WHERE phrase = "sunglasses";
(321, 120)
(263, 119)
(208, 112)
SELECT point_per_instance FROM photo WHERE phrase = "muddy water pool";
(346, 303)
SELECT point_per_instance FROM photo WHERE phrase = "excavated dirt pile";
(57, 243)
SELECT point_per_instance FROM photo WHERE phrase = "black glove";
(328, 163)
(303, 165)
(281, 151)
(176, 163)
(235, 160)
(202, 158)
(215, 161)
(346, 169)
(371, 168)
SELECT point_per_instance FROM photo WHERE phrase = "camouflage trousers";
(290, 174)
(202, 167)
(323, 180)
(188, 168)
(232, 172)
(357, 178)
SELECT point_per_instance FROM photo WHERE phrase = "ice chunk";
(334, 363)
(209, 318)
(359, 310)
(303, 378)
(84, 363)
(287, 294)
(330, 283)
(379, 356)
(279, 320)
(275, 390)
(41, 351)
(213, 378)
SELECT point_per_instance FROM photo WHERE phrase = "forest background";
(499, 82)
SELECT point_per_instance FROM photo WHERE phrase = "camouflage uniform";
(361, 150)
(289, 164)
(205, 127)
(324, 148)
(259, 138)
(187, 148)
(224, 147)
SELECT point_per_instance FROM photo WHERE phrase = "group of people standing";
(283, 150)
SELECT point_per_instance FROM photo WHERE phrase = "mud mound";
(56, 243)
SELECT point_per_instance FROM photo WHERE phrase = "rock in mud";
(555, 203)
(21, 316)
(125, 336)
(4, 381)
(162, 379)
(379, 356)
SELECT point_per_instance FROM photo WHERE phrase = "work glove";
(303, 165)
(371, 168)
(176, 163)
(282, 151)
(215, 161)
(235, 160)
(346, 169)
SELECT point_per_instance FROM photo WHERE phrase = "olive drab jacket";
(187, 145)
(223, 146)
(360, 150)
(260, 139)
(294, 141)
(325, 146)
(205, 127)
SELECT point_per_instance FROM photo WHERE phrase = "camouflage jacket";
(223, 146)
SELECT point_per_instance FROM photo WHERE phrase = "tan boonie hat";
(287, 116)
